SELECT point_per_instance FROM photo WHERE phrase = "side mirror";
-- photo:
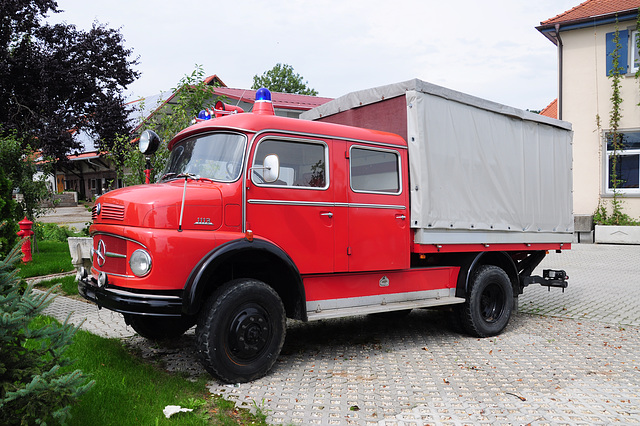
(271, 168)
(149, 142)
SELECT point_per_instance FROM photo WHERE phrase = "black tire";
(241, 330)
(159, 328)
(489, 303)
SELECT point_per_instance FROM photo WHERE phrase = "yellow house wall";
(586, 93)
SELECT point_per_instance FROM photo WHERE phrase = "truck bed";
(480, 172)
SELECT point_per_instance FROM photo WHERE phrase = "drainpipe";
(559, 71)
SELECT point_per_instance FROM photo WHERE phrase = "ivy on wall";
(615, 139)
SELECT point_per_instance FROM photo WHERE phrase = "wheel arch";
(257, 259)
(470, 263)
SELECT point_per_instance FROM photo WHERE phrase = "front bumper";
(131, 301)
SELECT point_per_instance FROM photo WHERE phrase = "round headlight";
(140, 263)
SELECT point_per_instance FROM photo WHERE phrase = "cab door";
(296, 212)
(378, 208)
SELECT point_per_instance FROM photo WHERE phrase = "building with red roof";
(585, 38)
(90, 173)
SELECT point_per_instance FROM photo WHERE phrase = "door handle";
(328, 214)
(401, 216)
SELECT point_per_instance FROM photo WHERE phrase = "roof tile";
(591, 9)
(280, 100)
(551, 110)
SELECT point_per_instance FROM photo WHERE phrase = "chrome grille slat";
(108, 212)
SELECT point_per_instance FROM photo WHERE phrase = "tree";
(190, 96)
(8, 224)
(18, 165)
(34, 388)
(281, 78)
(56, 80)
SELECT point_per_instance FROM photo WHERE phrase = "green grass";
(128, 390)
(68, 285)
(52, 257)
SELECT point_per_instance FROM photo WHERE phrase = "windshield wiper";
(185, 175)
(188, 175)
(166, 175)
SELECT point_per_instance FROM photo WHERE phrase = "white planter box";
(80, 249)
(610, 234)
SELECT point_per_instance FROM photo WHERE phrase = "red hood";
(158, 206)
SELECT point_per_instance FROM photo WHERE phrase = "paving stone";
(577, 364)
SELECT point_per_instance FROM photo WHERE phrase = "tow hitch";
(550, 278)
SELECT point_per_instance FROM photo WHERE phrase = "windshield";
(216, 156)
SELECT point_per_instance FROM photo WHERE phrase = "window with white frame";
(634, 52)
(627, 163)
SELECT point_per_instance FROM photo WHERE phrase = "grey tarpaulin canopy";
(480, 172)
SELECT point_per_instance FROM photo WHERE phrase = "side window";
(374, 170)
(634, 51)
(623, 172)
(302, 164)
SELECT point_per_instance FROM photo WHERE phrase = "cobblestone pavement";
(568, 358)
(604, 285)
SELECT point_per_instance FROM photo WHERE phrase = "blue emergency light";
(263, 104)
(263, 94)
(204, 115)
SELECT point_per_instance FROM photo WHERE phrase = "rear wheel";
(489, 303)
(159, 328)
(241, 330)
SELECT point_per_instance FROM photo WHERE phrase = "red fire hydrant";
(25, 232)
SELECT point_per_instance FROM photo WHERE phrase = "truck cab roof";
(257, 123)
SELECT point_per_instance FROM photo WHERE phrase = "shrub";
(8, 224)
(53, 232)
(34, 386)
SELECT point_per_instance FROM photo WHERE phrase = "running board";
(388, 307)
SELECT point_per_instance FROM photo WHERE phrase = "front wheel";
(489, 303)
(241, 330)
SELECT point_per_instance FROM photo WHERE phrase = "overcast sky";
(487, 48)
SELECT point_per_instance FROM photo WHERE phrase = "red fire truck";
(385, 200)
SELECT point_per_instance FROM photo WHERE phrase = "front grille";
(108, 212)
(110, 254)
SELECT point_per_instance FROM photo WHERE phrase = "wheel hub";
(492, 303)
(249, 333)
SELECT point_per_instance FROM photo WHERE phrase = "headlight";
(140, 263)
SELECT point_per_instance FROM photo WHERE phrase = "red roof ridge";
(212, 79)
